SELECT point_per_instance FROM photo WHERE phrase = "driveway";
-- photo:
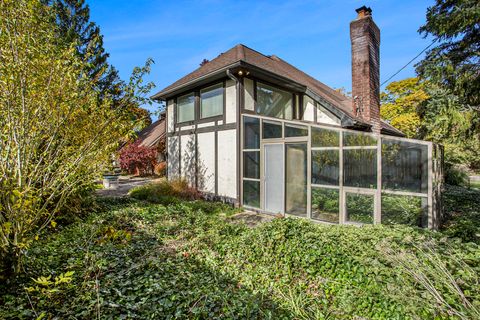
(125, 183)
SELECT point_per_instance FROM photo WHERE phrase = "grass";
(169, 258)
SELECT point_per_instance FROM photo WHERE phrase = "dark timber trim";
(223, 127)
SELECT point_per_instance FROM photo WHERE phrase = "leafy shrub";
(165, 191)
(137, 159)
(455, 175)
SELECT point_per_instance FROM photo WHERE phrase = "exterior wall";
(188, 158)
(206, 162)
(173, 163)
(249, 94)
(170, 116)
(227, 157)
(308, 112)
(230, 102)
(324, 117)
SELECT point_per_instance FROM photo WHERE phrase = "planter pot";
(110, 181)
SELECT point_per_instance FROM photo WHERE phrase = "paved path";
(125, 183)
(250, 218)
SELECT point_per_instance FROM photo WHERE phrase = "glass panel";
(251, 193)
(186, 108)
(251, 164)
(325, 167)
(410, 210)
(271, 130)
(351, 139)
(404, 166)
(325, 138)
(296, 179)
(360, 207)
(274, 173)
(211, 101)
(325, 204)
(360, 168)
(274, 102)
(252, 133)
(295, 131)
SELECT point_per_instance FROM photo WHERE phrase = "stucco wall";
(230, 102)
(227, 163)
(206, 161)
(173, 157)
(187, 158)
(249, 94)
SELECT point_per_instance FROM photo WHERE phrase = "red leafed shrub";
(136, 159)
(160, 169)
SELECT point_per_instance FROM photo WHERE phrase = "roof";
(151, 135)
(241, 55)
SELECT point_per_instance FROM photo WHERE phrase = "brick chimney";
(365, 39)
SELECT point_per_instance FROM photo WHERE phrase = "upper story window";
(274, 102)
(211, 101)
(186, 108)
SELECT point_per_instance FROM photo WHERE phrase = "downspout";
(238, 129)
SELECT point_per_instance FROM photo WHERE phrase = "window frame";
(219, 116)
(177, 108)
(269, 84)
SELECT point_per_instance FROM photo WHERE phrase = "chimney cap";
(363, 12)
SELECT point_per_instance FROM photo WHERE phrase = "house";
(154, 136)
(254, 130)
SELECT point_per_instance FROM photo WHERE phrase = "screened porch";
(339, 176)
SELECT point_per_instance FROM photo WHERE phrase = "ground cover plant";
(170, 259)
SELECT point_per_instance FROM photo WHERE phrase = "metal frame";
(343, 190)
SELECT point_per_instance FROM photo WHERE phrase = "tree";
(400, 103)
(56, 135)
(75, 27)
(454, 63)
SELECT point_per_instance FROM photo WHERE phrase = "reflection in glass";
(186, 108)
(404, 166)
(296, 179)
(351, 139)
(359, 207)
(295, 131)
(325, 204)
(409, 210)
(251, 193)
(271, 130)
(252, 133)
(274, 102)
(325, 167)
(325, 138)
(251, 164)
(360, 168)
(211, 101)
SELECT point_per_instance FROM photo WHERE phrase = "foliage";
(160, 169)
(75, 28)
(56, 135)
(165, 191)
(400, 103)
(185, 260)
(462, 207)
(454, 62)
(137, 159)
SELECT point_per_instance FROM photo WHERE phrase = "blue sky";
(311, 35)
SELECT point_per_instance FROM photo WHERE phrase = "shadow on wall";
(173, 157)
(194, 169)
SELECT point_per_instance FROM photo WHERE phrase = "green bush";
(134, 259)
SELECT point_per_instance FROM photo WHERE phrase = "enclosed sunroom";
(255, 131)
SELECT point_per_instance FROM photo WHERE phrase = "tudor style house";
(254, 130)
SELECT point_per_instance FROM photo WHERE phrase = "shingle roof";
(151, 135)
(275, 65)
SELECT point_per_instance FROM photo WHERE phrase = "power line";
(418, 55)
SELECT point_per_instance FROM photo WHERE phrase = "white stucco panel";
(170, 116)
(324, 116)
(187, 158)
(173, 164)
(206, 161)
(227, 163)
(249, 96)
(230, 101)
(308, 114)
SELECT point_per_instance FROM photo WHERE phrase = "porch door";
(273, 177)
(296, 178)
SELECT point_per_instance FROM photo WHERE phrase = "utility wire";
(418, 55)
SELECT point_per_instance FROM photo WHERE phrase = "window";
(251, 164)
(251, 127)
(400, 209)
(325, 138)
(325, 204)
(211, 101)
(186, 108)
(360, 168)
(295, 131)
(359, 207)
(274, 102)
(271, 130)
(325, 167)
